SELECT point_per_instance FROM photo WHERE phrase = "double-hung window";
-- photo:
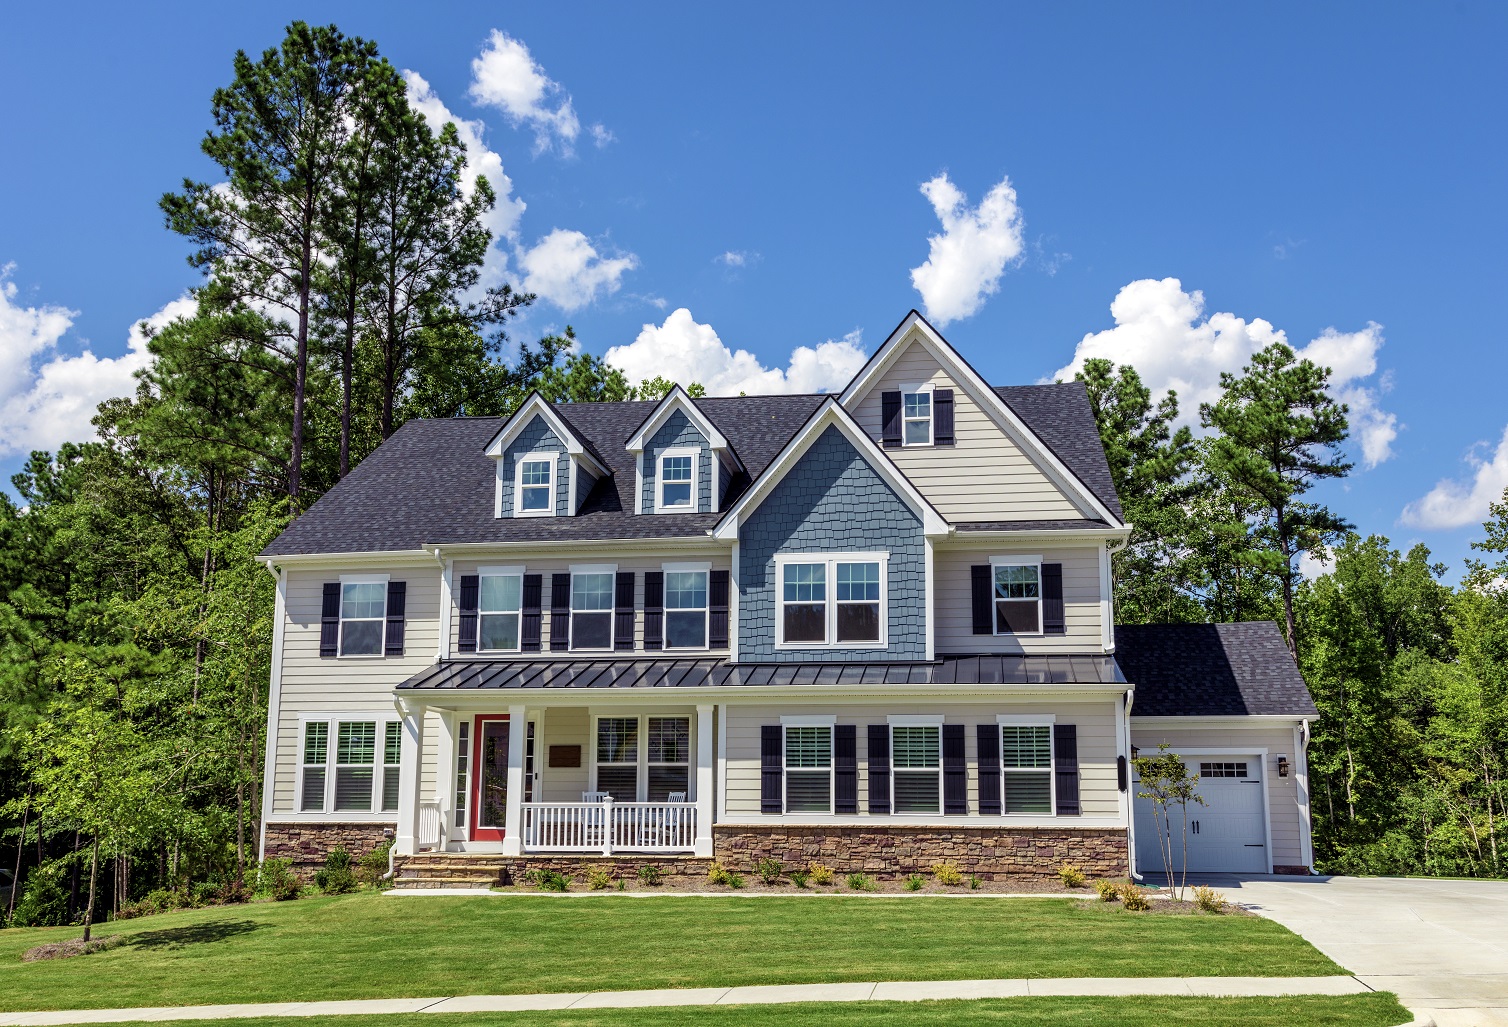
(808, 768)
(534, 489)
(499, 607)
(363, 616)
(675, 491)
(392, 756)
(350, 765)
(1017, 598)
(661, 766)
(669, 757)
(355, 754)
(618, 757)
(316, 759)
(1026, 765)
(916, 417)
(833, 600)
(916, 767)
(685, 609)
(592, 609)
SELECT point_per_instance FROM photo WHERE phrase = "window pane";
(618, 740)
(1028, 792)
(1018, 617)
(356, 742)
(686, 590)
(353, 790)
(918, 433)
(917, 793)
(664, 780)
(918, 404)
(392, 744)
(622, 783)
(669, 740)
(501, 593)
(676, 468)
(1016, 582)
(369, 600)
(674, 494)
(592, 592)
(591, 630)
(858, 582)
(808, 792)
(535, 498)
(316, 741)
(390, 780)
(535, 472)
(806, 623)
(858, 622)
(313, 799)
(675, 481)
(916, 746)
(1026, 746)
(805, 582)
(685, 630)
(361, 638)
(498, 631)
(808, 747)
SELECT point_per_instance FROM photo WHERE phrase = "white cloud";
(1312, 566)
(602, 135)
(686, 352)
(506, 76)
(1163, 332)
(965, 262)
(1453, 503)
(48, 398)
(566, 269)
(736, 258)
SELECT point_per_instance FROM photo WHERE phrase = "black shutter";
(470, 587)
(771, 769)
(1053, 620)
(983, 581)
(845, 768)
(942, 417)
(989, 770)
(1120, 773)
(1065, 751)
(717, 610)
(890, 416)
(654, 610)
(955, 771)
(397, 603)
(560, 612)
(623, 612)
(329, 620)
(879, 768)
(533, 620)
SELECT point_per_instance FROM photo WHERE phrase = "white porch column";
(513, 821)
(704, 785)
(410, 757)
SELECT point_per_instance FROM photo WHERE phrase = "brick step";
(429, 883)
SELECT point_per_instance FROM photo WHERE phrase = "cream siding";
(1094, 719)
(985, 475)
(563, 725)
(954, 612)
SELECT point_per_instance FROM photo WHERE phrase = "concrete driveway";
(1441, 946)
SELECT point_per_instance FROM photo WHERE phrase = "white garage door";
(1226, 835)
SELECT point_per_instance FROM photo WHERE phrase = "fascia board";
(673, 695)
(676, 399)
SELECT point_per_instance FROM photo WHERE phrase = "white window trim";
(1015, 561)
(703, 567)
(499, 572)
(1046, 720)
(379, 768)
(916, 721)
(611, 611)
(518, 487)
(830, 723)
(696, 472)
(340, 637)
(831, 598)
(641, 755)
(913, 390)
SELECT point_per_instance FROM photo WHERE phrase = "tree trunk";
(93, 876)
(15, 880)
(301, 354)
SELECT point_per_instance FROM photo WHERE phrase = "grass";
(1372, 1010)
(374, 946)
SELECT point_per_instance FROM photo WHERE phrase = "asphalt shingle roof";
(1191, 670)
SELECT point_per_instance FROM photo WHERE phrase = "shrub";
(43, 903)
(861, 882)
(651, 875)
(821, 873)
(717, 873)
(336, 877)
(947, 872)
(1208, 900)
(159, 900)
(548, 880)
(1133, 898)
(204, 893)
(734, 881)
(974, 882)
(769, 870)
(915, 882)
(800, 877)
(1071, 876)
(371, 867)
(598, 878)
(1108, 891)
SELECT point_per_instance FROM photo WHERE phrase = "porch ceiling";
(713, 672)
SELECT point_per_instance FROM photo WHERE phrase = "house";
(873, 628)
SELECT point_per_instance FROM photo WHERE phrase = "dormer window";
(534, 491)
(916, 416)
(675, 490)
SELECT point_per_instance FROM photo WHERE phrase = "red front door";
(489, 779)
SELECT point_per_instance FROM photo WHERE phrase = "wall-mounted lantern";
(1282, 766)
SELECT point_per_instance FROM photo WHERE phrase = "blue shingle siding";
(724, 476)
(537, 437)
(584, 482)
(678, 433)
(832, 501)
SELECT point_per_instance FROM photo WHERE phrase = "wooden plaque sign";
(565, 756)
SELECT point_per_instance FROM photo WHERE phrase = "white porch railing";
(609, 827)
(429, 825)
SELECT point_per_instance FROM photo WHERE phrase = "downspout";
(1301, 772)
(1130, 795)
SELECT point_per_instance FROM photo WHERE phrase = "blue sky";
(779, 172)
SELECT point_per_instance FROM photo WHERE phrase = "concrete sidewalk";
(871, 991)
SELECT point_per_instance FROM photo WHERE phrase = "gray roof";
(1189, 670)
(1060, 415)
(1070, 524)
(649, 672)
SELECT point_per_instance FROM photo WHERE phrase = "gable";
(535, 438)
(677, 432)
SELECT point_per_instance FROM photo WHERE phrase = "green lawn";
(1374, 1010)
(375, 946)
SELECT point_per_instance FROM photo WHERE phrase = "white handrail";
(609, 826)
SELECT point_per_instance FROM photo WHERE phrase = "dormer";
(683, 462)
(544, 468)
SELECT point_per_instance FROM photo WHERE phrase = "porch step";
(450, 870)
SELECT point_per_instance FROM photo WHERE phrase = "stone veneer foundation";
(308, 844)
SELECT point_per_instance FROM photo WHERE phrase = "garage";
(1228, 834)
